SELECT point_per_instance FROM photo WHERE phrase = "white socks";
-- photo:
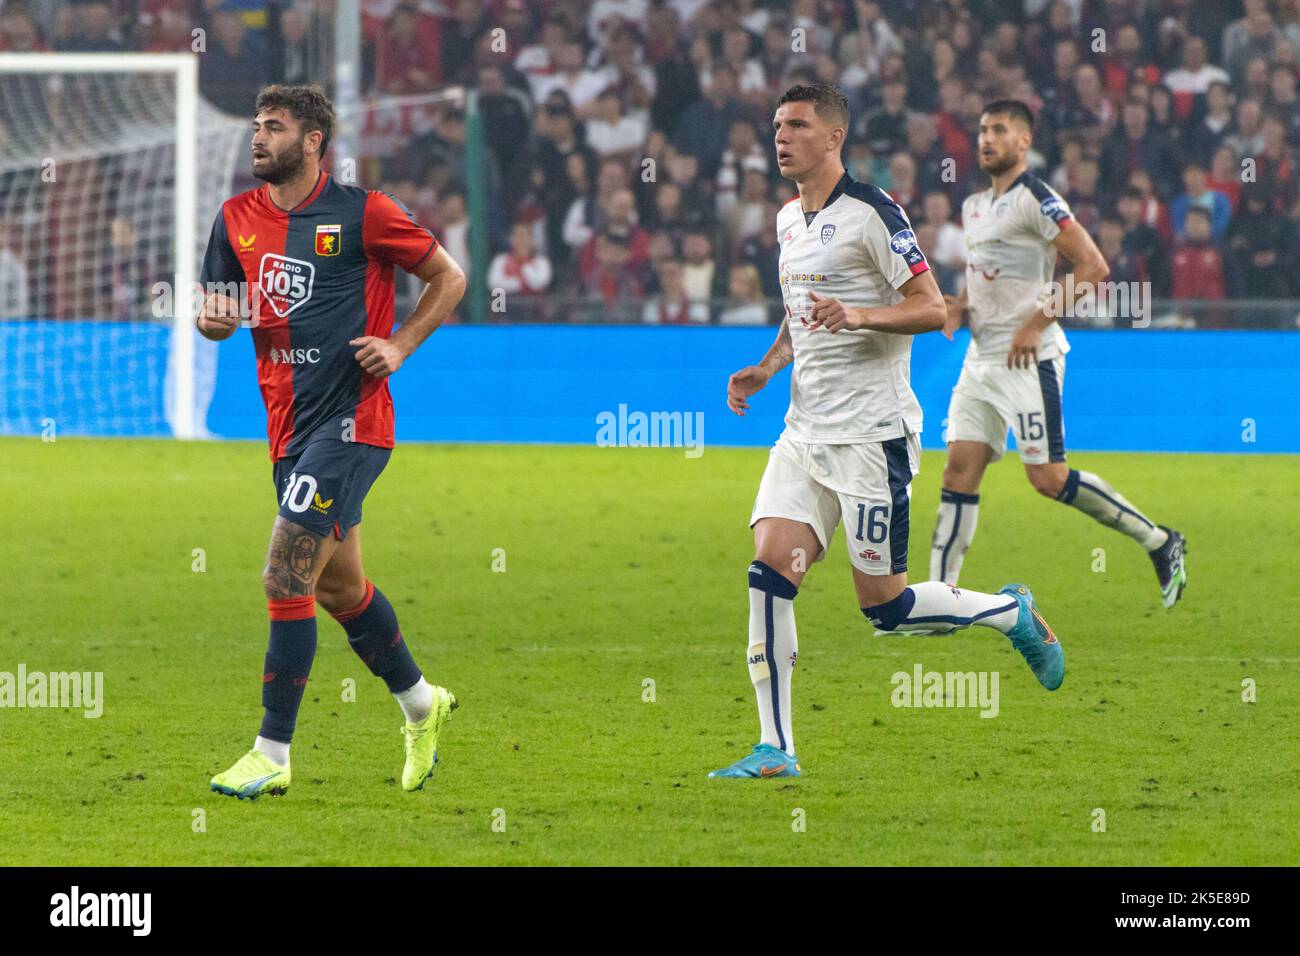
(275, 751)
(773, 650)
(953, 533)
(934, 606)
(1094, 496)
(416, 701)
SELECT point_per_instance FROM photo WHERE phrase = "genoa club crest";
(328, 239)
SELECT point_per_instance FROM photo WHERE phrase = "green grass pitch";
(623, 565)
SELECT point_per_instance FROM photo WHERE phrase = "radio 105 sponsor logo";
(286, 283)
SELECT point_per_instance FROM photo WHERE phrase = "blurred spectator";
(18, 32)
(616, 211)
(928, 157)
(14, 301)
(294, 47)
(1142, 242)
(1284, 103)
(1252, 35)
(469, 20)
(1134, 145)
(506, 122)
(697, 130)
(1247, 137)
(745, 305)
(762, 251)
(701, 274)
(520, 269)
(1125, 266)
(1194, 76)
(1259, 248)
(235, 66)
(408, 53)
(453, 227)
(1204, 138)
(126, 272)
(671, 305)
(1276, 165)
(743, 152)
(1198, 195)
(903, 188)
(581, 85)
(584, 217)
(1225, 176)
(611, 131)
(88, 27)
(949, 248)
(1154, 212)
(1198, 265)
(1083, 196)
(539, 58)
(884, 129)
(612, 280)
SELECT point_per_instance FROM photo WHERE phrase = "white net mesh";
(87, 231)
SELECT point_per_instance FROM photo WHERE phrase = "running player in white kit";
(856, 288)
(1014, 367)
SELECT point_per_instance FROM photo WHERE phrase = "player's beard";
(280, 169)
(999, 165)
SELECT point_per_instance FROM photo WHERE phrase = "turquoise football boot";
(1034, 639)
(765, 761)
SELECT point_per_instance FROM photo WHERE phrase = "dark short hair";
(307, 104)
(1015, 109)
(828, 102)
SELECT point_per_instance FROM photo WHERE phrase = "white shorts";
(868, 485)
(989, 399)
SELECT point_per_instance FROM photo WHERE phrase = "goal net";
(111, 171)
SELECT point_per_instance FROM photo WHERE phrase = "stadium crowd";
(630, 169)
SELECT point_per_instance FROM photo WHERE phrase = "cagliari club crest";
(827, 231)
(328, 239)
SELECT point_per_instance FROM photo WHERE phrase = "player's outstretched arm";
(445, 288)
(749, 380)
(921, 310)
(1089, 267)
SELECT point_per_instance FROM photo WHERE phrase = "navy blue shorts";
(322, 487)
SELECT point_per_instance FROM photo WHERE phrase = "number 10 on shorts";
(298, 491)
(875, 521)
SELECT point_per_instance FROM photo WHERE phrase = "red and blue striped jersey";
(314, 278)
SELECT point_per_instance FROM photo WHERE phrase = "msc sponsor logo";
(294, 356)
(903, 241)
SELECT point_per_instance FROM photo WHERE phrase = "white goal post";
(130, 114)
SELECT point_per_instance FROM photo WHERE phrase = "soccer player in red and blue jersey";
(310, 261)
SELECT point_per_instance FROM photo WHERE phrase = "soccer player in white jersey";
(1014, 367)
(856, 288)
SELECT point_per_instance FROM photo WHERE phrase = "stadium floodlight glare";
(112, 146)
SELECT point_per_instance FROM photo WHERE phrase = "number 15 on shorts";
(875, 522)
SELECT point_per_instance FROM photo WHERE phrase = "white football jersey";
(854, 385)
(1009, 264)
